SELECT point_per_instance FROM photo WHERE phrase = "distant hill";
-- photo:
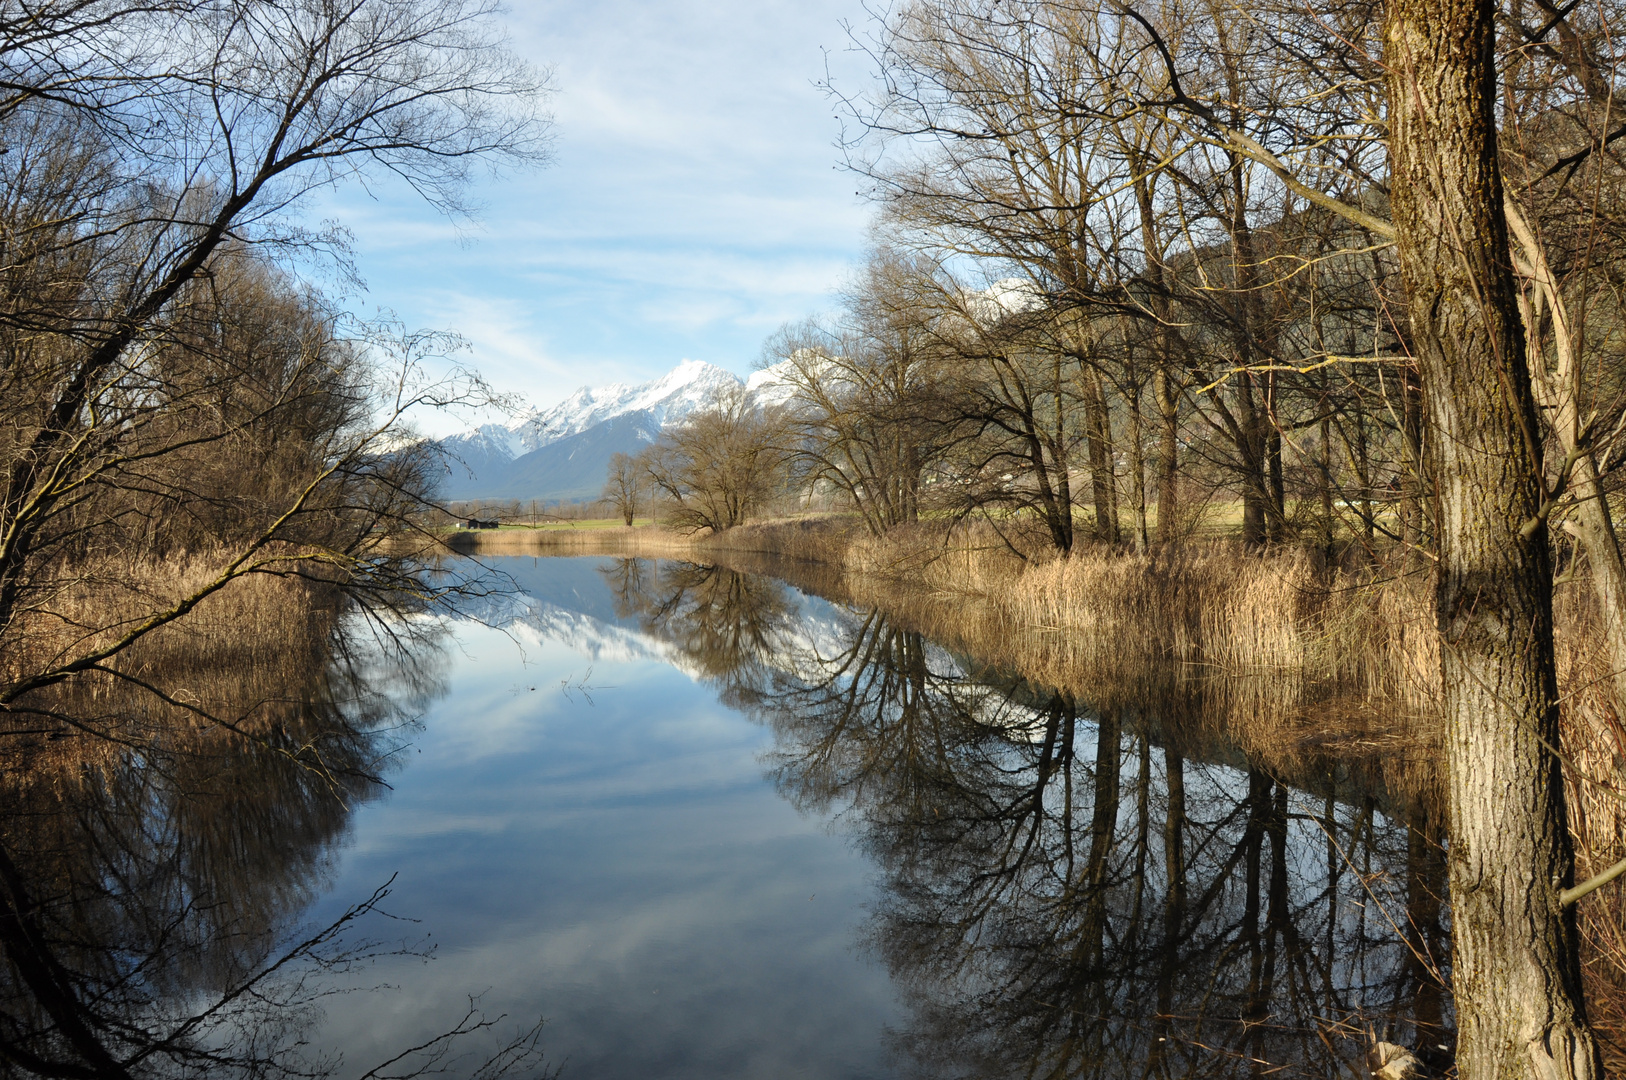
(563, 453)
(567, 469)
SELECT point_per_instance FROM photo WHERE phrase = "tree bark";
(1103, 474)
(1515, 966)
(1168, 452)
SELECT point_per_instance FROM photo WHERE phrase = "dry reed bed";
(1304, 668)
(1214, 648)
(241, 655)
(644, 540)
(1310, 671)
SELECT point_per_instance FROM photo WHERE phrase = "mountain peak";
(667, 399)
(490, 455)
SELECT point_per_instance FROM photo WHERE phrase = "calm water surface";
(589, 835)
(710, 826)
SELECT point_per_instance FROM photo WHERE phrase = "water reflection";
(1069, 892)
(1062, 891)
(733, 627)
(152, 875)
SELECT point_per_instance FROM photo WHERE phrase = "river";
(710, 825)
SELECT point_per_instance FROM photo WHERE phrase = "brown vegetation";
(202, 464)
(1309, 670)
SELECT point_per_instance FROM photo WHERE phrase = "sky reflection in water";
(601, 825)
(612, 856)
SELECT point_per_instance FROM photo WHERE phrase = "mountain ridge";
(563, 453)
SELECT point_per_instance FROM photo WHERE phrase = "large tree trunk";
(1515, 969)
(1103, 474)
(1250, 453)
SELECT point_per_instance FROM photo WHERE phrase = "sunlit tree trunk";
(1103, 478)
(1516, 972)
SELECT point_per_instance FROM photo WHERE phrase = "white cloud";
(693, 206)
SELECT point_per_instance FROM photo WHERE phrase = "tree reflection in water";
(731, 626)
(1069, 893)
(152, 874)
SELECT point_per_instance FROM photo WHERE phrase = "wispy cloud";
(694, 204)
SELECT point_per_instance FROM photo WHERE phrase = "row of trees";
(1133, 259)
(165, 383)
(1325, 259)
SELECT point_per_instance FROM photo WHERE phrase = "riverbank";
(1301, 666)
(1289, 661)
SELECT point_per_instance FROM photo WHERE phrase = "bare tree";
(866, 413)
(245, 108)
(721, 465)
(624, 490)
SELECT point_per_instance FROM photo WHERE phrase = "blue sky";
(694, 204)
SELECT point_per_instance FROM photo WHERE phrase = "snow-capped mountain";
(563, 452)
(667, 400)
(771, 387)
(484, 448)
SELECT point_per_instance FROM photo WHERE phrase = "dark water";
(711, 826)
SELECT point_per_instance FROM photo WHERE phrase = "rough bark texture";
(1515, 969)
(1595, 528)
(1103, 478)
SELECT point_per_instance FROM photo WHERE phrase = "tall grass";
(649, 540)
(254, 661)
(1301, 669)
